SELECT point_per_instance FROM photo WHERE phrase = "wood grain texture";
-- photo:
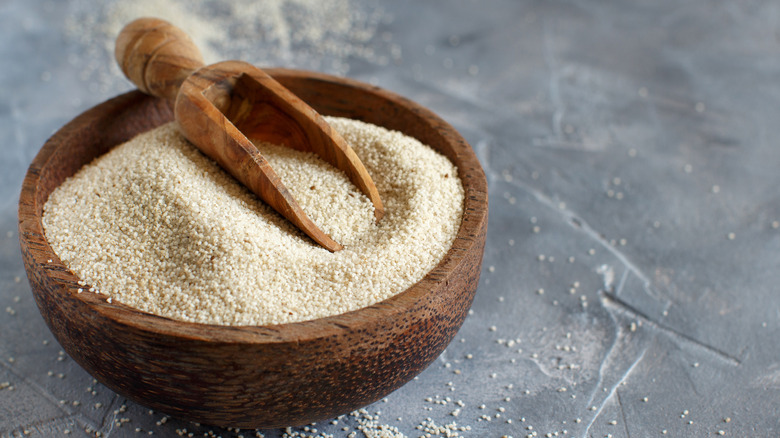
(259, 376)
(156, 56)
(214, 109)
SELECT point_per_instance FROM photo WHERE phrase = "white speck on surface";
(607, 273)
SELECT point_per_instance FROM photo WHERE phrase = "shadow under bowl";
(254, 376)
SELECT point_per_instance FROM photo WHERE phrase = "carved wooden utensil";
(219, 107)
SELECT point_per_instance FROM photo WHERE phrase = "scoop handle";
(156, 56)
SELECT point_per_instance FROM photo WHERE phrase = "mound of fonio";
(156, 225)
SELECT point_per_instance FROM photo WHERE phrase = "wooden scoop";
(219, 106)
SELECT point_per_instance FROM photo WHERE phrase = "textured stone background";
(631, 149)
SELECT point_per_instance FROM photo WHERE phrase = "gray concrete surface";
(630, 284)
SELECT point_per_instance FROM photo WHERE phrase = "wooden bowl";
(254, 376)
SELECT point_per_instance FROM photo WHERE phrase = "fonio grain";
(156, 225)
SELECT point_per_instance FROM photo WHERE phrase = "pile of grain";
(156, 225)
